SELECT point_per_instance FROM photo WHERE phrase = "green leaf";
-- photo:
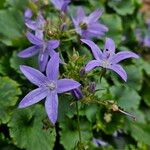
(140, 132)
(26, 129)
(8, 97)
(102, 88)
(145, 93)
(135, 77)
(114, 23)
(65, 107)
(143, 65)
(127, 98)
(122, 7)
(91, 111)
(17, 4)
(11, 25)
(15, 62)
(2, 4)
(69, 135)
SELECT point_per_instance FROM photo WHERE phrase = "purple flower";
(138, 33)
(146, 41)
(61, 4)
(48, 87)
(37, 25)
(108, 59)
(44, 48)
(99, 142)
(88, 27)
(77, 93)
(27, 14)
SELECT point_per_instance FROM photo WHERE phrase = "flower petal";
(80, 14)
(52, 69)
(28, 13)
(33, 97)
(94, 16)
(31, 24)
(53, 44)
(65, 5)
(33, 39)
(31, 51)
(33, 75)
(39, 34)
(119, 70)
(57, 3)
(97, 28)
(146, 41)
(64, 85)
(91, 65)
(51, 106)
(43, 60)
(109, 45)
(94, 48)
(123, 55)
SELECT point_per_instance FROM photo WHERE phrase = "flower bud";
(28, 14)
(77, 93)
(82, 72)
(63, 27)
(92, 87)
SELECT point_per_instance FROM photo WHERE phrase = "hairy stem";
(78, 122)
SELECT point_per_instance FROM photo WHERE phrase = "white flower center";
(105, 63)
(51, 85)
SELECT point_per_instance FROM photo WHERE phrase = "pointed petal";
(33, 75)
(94, 16)
(97, 28)
(109, 45)
(146, 41)
(91, 65)
(65, 5)
(57, 3)
(31, 24)
(33, 39)
(64, 85)
(51, 106)
(123, 55)
(94, 48)
(43, 60)
(53, 44)
(31, 51)
(33, 97)
(28, 13)
(80, 14)
(39, 34)
(52, 69)
(119, 70)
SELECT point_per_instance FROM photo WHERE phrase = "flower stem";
(78, 122)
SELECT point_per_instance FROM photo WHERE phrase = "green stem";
(102, 74)
(78, 122)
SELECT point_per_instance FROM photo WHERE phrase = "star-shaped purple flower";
(44, 48)
(88, 27)
(61, 5)
(48, 87)
(37, 25)
(108, 59)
